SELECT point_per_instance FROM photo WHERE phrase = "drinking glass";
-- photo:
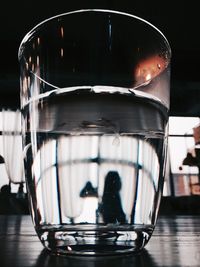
(94, 100)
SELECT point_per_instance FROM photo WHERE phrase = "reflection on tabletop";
(142, 259)
(175, 242)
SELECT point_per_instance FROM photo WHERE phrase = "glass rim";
(125, 14)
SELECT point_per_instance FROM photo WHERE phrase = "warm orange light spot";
(149, 68)
(62, 32)
(38, 60)
(61, 52)
(38, 40)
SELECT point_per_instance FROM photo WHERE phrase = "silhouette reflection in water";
(111, 208)
(88, 190)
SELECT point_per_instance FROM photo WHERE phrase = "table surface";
(175, 242)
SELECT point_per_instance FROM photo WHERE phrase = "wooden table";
(175, 242)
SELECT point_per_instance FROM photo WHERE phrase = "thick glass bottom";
(95, 242)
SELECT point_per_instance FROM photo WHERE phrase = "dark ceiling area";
(178, 20)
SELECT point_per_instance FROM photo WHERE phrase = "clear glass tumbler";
(94, 100)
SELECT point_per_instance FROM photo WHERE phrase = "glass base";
(95, 242)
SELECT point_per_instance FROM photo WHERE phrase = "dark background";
(178, 20)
